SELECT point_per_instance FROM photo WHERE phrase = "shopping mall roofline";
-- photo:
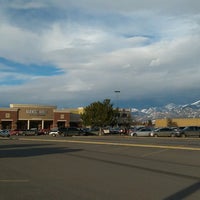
(32, 105)
(9, 109)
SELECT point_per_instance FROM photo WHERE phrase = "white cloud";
(171, 6)
(70, 35)
(19, 45)
(144, 54)
(21, 4)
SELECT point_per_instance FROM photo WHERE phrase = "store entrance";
(36, 124)
(60, 124)
(6, 125)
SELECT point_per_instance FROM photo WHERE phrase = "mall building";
(26, 116)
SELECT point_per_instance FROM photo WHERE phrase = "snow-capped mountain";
(168, 111)
(197, 103)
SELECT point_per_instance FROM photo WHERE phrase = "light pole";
(117, 92)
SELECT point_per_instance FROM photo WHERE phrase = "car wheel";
(135, 134)
(155, 135)
(183, 135)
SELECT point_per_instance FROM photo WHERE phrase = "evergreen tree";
(98, 114)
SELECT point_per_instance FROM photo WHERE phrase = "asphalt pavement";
(99, 168)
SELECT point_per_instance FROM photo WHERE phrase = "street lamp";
(117, 96)
(117, 92)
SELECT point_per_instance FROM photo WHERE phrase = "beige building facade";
(177, 122)
(26, 116)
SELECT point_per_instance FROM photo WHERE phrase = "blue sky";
(72, 53)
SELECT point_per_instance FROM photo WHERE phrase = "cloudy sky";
(71, 53)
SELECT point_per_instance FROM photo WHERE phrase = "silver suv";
(189, 131)
(163, 132)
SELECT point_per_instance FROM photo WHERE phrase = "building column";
(42, 124)
(14, 125)
(28, 124)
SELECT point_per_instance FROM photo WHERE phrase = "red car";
(16, 132)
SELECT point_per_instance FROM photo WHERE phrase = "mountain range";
(168, 111)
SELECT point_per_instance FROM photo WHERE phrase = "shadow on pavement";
(11, 146)
(30, 150)
(186, 192)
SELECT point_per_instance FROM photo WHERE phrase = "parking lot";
(99, 167)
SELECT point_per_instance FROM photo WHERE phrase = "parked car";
(54, 132)
(163, 132)
(41, 131)
(70, 131)
(44, 131)
(4, 133)
(142, 132)
(88, 132)
(189, 131)
(116, 130)
(134, 129)
(16, 132)
(105, 130)
(32, 131)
